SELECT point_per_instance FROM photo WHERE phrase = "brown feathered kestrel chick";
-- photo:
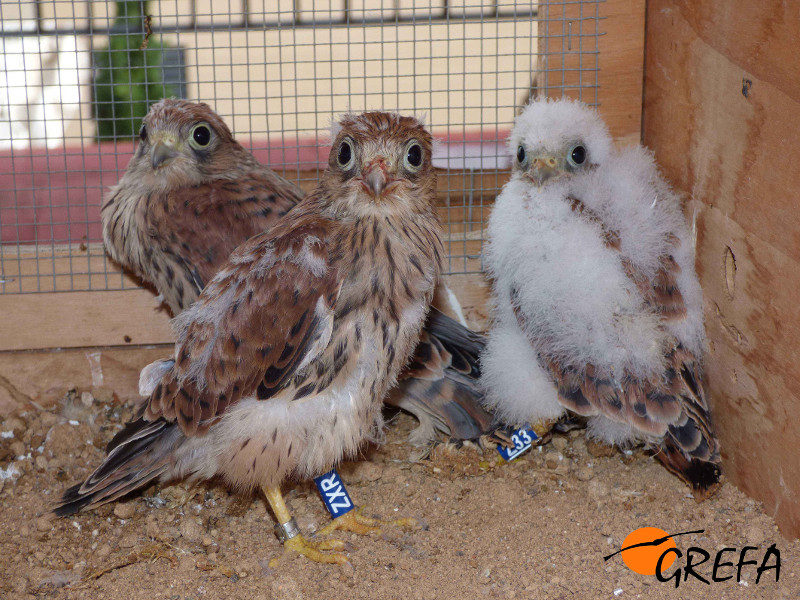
(191, 194)
(282, 363)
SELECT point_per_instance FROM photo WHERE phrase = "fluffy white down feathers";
(558, 271)
(548, 124)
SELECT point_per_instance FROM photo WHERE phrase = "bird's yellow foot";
(289, 534)
(356, 522)
(324, 551)
(543, 428)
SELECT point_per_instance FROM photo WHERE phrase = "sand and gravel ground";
(534, 528)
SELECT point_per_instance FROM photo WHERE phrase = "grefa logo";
(651, 551)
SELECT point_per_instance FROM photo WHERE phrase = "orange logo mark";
(651, 551)
(644, 546)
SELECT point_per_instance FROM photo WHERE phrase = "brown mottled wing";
(269, 309)
(198, 227)
(672, 403)
(440, 384)
(661, 292)
(690, 450)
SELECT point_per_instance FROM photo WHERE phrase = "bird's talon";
(353, 522)
(542, 428)
(320, 552)
(327, 545)
(356, 522)
(409, 523)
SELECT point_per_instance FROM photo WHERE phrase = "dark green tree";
(127, 78)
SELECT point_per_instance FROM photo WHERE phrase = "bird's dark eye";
(414, 155)
(577, 156)
(345, 155)
(143, 133)
(521, 154)
(200, 136)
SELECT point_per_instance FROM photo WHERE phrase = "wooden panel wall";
(722, 99)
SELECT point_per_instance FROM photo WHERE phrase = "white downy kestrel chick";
(598, 309)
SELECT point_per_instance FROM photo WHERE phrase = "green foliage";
(128, 79)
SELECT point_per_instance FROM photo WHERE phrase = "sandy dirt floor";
(537, 527)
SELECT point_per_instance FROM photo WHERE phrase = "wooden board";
(621, 76)
(612, 59)
(132, 317)
(82, 319)
(33, 379)
(722, 95)
(30, 380)
(466, 298)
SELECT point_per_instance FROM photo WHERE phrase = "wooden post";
(594, 52)
(722, 95)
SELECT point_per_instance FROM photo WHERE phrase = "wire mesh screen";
(77, 77)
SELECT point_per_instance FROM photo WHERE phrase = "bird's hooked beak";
(375, 177)
(164, 150)
(544, 168)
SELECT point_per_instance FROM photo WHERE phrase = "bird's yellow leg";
(294, 541)
(543, 428)
(356, 522)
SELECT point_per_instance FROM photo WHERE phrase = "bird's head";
(556, 139)
(183, 143)
(380, 162)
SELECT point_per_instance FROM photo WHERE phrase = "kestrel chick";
(191, 194)
(281, 365)
(598, 309)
